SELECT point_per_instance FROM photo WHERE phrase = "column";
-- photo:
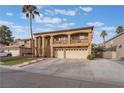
(39, 46)
(69, 38)
(89, 41)
(43, 46)
(51, 46)
(35, 46)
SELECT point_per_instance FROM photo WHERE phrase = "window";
(79, 37)
(60, 38)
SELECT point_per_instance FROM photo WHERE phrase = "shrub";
(90, 56)
(122, 58)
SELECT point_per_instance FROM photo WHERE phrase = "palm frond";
(36, 13)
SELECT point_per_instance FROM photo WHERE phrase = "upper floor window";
(81, 37)
(78, 37)
(61, 38)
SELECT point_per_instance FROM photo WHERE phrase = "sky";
(64, 17)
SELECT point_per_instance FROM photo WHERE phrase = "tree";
(119, 29)
(30, 11)
(103, 34)
(5, 35)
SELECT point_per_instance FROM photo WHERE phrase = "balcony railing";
(79, 41)
(86, 41)
(61, 42)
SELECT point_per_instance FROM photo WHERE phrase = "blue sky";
(64, 17)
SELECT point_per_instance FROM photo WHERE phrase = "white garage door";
(71, 53)
(76, 53)
(59, 53)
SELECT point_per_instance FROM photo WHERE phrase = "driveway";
(99, 70)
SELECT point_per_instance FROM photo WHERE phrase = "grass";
(18, 60)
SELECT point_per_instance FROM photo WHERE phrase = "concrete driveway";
(99, 70)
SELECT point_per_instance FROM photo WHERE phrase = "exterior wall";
(14, 52)
(2, 45)
(18, 51)
(25, 51)
(42, 39)
(107, 54)
(118, 44)
(22, 42)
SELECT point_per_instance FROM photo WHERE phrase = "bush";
(122, 58)
(90, 56)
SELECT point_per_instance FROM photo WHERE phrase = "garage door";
(71, 53)
(76, 53)
(59, 53)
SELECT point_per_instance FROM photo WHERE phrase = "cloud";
(53, 22)
(49, 12)
(108, 28)
(7, 23)
(19, 28)
(44, 29)
(96, 24)
(48, 20)
(62, 25)
(13, 26)
(62, 12)
(9, 14)
(86, 9)
(23, 16)
(65, 12)
(41, 6)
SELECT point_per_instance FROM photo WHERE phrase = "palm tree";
(119, 29)
(30, 11)
(103, 34)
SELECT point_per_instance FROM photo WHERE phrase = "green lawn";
(18, 60)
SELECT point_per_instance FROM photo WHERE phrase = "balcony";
(71, 44)
(79, 41)
(61, 42)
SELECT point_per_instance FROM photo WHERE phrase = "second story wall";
(75, 37)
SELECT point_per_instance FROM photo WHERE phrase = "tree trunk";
(30, 27)
(104, 41)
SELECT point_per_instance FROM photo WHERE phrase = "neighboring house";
(72, 43)
(2, 45)
(115, 47)
(17, 50)
(19, 47)
(21, 42)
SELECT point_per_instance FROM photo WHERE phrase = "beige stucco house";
(19, 47)
(2, 45)
(17, 50)
(115, 47)
(21, 42)
(71, 43)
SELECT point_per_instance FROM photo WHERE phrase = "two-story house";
(71, 43)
